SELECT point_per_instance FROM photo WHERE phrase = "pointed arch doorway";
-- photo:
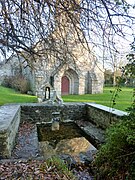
(65, 84)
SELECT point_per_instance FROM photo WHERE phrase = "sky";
(123, 44)
(131, 1)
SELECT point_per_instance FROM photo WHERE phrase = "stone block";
(9, 123)
(103, 116)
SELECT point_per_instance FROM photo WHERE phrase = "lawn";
(123, 100)
(8, 95)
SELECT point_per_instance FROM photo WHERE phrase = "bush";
(116, 158)
(7, 81)
(19, 83)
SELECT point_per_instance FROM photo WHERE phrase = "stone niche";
(9, 123)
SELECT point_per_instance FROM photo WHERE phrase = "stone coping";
(11, 108)
(115, 112)
(9, 123)
(7, 114)
(45, 104)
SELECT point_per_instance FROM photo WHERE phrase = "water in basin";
(68, 140)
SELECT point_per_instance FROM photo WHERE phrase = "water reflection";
(69, 140)
(72, 147)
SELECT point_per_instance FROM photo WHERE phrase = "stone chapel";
(66, 63)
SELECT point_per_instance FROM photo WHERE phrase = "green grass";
(8, 95)
(123, 100)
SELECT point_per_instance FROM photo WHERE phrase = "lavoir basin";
(69, 140)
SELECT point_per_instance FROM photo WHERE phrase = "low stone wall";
(99, 118)
(40, 112)
(9, 123)
(101, 115)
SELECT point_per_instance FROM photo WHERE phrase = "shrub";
(19, 83)
(7, 81)
(116, 158)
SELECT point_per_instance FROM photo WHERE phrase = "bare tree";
(26, 24)
(116, 62)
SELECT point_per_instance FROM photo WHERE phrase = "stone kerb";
(103, 116)
(9, 123)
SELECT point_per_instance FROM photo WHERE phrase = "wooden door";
(65, 85)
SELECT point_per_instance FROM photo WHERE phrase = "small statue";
(47, 93)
